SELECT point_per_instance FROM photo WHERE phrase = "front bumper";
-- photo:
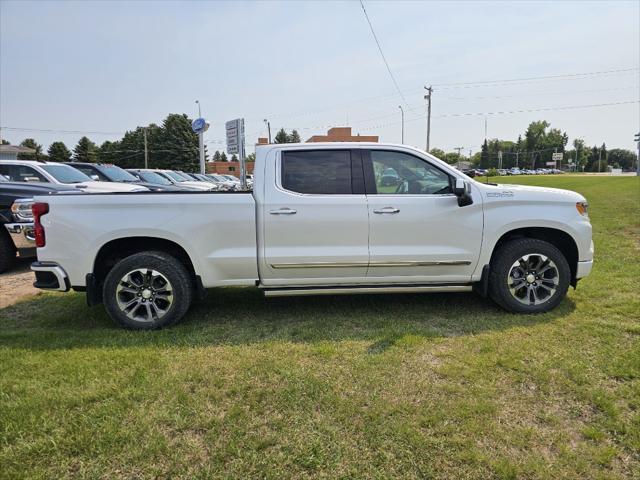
(50, 276)
(584, 269)
(23, 237)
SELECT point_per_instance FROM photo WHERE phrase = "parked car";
(153, 178)
(318, 222)
(104, 172)
(184, 181)
(60, 174)
(224, 183)
(16, 220)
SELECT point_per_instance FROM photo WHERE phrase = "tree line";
(535, 149)
(171, 145)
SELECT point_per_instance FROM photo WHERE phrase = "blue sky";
(110, 66)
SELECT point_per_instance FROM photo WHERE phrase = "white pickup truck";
(328, 218)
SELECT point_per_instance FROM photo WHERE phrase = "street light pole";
(428, 99)
(402, 113)
(268, 129)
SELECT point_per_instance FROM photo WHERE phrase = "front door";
(417, 231)
(314, 222)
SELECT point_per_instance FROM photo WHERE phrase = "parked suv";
(60, 174)
(105, 172)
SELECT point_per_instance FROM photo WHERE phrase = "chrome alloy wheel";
(144, 295)
(533, 279)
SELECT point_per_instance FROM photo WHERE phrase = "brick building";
(342, 134)
(228, 168)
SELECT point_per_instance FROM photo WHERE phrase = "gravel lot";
(17, 283)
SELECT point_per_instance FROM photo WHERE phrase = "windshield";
(202, 177)
(65, 173)
(116, 174)
(177, 177)
(153, 177)
(3, 178)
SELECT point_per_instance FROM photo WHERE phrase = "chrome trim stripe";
(293, 292)
(367, 264)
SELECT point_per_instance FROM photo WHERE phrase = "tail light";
(39, 209)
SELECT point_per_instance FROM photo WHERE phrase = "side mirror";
(462, 190)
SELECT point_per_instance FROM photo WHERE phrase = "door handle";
(387, 210)
(283, 211)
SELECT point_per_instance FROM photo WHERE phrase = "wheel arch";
(117, 249)
(558, 238)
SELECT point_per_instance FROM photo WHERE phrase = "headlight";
(582, 208)
(21, 210)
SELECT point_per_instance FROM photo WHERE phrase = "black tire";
(120, 290)
(522, 300)
(7, 250)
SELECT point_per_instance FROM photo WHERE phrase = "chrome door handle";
(387, 210)
(283, 211)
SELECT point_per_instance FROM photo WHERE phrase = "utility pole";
(402, 113)
(517, 156)
(637, 139)
(428, 99)
(459, 150)
(268, 129)
(146, 153)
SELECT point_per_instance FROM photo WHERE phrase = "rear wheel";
(529, 276)
(7, 250)
(147, 291)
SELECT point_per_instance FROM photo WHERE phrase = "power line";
(566, 75)
(375, 37)
(74, 132)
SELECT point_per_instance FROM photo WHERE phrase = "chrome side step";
(351, 290)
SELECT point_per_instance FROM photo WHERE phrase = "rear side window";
(326, 172)
(21, 173)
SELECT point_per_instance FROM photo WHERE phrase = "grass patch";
(415, 386)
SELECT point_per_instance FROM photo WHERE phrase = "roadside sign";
(235, 135)
(199, 125)
(556, 157)
(551, 164)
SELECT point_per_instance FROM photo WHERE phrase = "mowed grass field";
(399, 386)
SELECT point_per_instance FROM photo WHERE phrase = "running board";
(350, 290)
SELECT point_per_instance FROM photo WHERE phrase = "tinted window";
(153, 177)
(401, 173)
(116, 174)
(65, 174)
(21, 173)
(90, 172)
(319, 172)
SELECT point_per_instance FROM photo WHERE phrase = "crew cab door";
(417, 231)
(313, 218)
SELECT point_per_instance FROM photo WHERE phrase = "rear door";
(418, 233)
(314, 220)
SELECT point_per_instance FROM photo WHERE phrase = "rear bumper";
(584, 269)
(50, 276)
(23, 237)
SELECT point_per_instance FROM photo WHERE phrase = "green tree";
(251, 157)
(216, 156)
(110, 152)
(294, 137)
(438, 153)
(484, 155)
(223, 157)
(234, 158)
(31, 143)
(175, 145)
(281, 136)
(85, 151)
(621, 158)
(58, 152)
(4, 142)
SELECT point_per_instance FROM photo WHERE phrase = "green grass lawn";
(411, 386)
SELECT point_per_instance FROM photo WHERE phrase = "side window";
(90, 172)
(400, 173)
(21, 173)
(317, 171)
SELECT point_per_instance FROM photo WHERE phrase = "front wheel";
(528, 276)
(148, 290)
